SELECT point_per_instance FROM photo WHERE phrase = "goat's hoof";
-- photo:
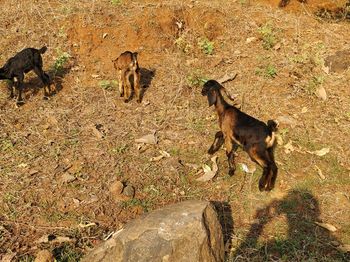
(121, 94)
(211, 151)
(261, 187)
(126, 100)
(19, 103)
(46, 97)
(138, 101)
(231, 172)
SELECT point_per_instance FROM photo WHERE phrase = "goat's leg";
(137, 87)
(19, 86)
(218, 142)
(45, 79)
(260, 156)
(121, 74)
(12, 88)
(127, 87)
(230, 153)
(273, 173)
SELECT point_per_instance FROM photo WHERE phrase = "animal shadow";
(34, 85)
(304, 240)
(147, 76)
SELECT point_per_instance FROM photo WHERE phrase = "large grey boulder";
(186, 231)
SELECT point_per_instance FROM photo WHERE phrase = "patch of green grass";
(6, 145)
(26, 258)
(67, 253)
(268, 35)
(196, 79)
(182, 44)
(60, 61)
(108, 84)
(121, 149)
(116, 2)
(145, 204)
(206, 46)
(313, 84)
(269, 71)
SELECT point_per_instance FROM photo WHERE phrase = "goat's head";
(211, 89)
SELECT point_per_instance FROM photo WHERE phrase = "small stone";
(116, 188)
(129, 191)
(44, 256)
(321, 93)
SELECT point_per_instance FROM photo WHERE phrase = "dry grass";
(43, 140)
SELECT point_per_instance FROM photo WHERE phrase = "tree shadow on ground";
(305, 240)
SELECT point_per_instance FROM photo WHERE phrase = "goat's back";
(245, 127)
(127, 60)
(24, 61)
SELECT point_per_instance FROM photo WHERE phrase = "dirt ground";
(59, 158)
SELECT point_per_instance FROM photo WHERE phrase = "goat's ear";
(211, 97)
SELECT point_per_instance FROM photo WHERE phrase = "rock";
(116, 188)
(129, 191)
(44, 256)
(338, 62)
(321, 93)
(186, 231)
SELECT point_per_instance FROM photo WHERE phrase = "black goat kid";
(240, 129)
(26, 60)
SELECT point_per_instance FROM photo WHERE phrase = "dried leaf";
(319, 171)
(250, 39)
(288, 148)
(327, 226)
(321, 152)
(148, 139)
(162, 155)
(209, 173)
(226, 78)
(279, 139)
(247, 170)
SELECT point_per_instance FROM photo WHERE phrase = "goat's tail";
(42, 50)
(272, 126)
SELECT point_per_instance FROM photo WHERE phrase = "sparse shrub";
(116, 2)
(314, 83)
(196, 79)
(108, 84)
(183, 44)
(269, 71)
(60, 61)
(268, 36)
(206, 46)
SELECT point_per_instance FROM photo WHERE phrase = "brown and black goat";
(23, 62)
(240, 129)
(127, 65)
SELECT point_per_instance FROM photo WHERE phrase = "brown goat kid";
(240, 129)
(127, 65)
